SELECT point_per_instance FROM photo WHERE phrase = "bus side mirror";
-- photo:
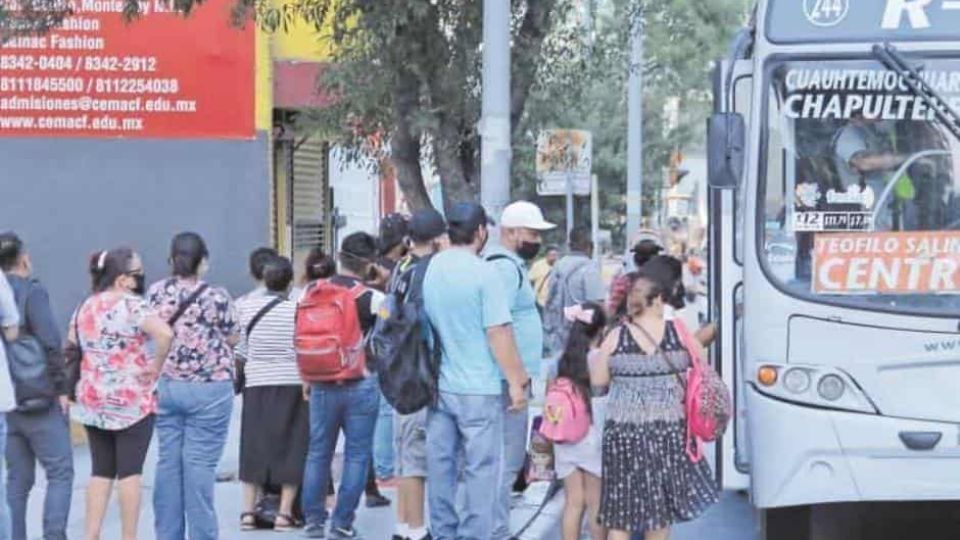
(726, 136)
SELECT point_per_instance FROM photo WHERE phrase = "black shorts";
(121, 453)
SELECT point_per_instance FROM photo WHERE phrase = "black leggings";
(121, 453)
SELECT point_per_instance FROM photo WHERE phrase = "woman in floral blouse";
(195, 393)
(115, 398)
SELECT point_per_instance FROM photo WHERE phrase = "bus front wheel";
(789, 523)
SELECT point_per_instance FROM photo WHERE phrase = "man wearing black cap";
(427, 236)
(394, 229)
(467, 305)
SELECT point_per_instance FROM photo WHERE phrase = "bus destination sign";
(808, 21)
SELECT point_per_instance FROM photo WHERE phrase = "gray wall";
(70, 197)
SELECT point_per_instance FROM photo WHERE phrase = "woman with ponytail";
(115, 398)
(579, 463)
(195, 393)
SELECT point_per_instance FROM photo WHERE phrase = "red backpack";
(328, 338)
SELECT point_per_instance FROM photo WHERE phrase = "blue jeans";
(471, 426)
(514, 454)
(4, 509)
(353, 408)
(192, 424)
(383, 441)
(43, 437)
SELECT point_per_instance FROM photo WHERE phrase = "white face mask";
(204, 268)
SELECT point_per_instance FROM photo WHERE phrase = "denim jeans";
(353, 408)
(471, 426)
(383, 441)
(514, 454)
(191, 426)
(43, 437)
(4, 509)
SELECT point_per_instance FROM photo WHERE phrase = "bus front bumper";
(804, 455)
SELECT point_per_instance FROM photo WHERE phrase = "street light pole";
(635, 128)
(495, 112)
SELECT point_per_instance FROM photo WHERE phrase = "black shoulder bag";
(73, 357)
(240, 376)
(182, 308)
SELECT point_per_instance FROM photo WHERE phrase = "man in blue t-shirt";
(520, 227)
(468, 307)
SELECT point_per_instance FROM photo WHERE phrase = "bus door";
(725, 234)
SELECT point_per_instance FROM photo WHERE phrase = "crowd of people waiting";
(168, 359)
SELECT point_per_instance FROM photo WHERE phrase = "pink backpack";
(707, 400)
(565, 416)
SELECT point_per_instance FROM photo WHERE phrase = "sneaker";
(344, 533)
(314, 531)
(376, 500)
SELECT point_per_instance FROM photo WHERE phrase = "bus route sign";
(809, 21)
(915, 262)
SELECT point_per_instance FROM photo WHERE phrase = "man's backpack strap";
(501, 256)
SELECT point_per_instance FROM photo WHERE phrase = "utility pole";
(495, 114)
(635, 128)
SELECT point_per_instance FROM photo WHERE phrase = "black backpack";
(408, 364)
(27, 359)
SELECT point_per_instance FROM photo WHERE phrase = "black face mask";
(528, 250)
(486, 237)
(140, 286)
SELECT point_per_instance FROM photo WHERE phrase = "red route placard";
(162, 76)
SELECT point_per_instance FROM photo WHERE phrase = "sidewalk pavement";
(732, 519)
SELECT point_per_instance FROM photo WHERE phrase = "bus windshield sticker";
(835, 210)
(921, 262)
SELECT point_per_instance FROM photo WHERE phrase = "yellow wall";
(299, 42)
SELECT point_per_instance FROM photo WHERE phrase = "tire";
(789, 523)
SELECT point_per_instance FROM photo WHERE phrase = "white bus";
(835, 257)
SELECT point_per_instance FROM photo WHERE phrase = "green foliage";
(588, 91)
(30, 17)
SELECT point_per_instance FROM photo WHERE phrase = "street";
(732, 519)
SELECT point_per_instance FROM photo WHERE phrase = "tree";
(586, 89)
(408, 72)
(30, 17)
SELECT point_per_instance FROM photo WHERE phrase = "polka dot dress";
(649, 482)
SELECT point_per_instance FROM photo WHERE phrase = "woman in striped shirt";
(273, 405)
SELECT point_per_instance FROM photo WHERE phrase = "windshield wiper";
(891, 57)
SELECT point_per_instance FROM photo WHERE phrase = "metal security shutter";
(309, 202)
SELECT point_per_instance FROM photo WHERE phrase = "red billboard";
(161, 76)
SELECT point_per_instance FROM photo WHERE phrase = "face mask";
(140, 284)
(528, 250)
(486, 236)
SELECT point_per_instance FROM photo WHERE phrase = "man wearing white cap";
(521, 225)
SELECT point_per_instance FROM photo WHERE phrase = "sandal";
(248, 521)
(286, 525)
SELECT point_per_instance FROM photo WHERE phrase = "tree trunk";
(405, 144)
(450, 166)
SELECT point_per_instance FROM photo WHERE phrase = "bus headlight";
(797, 380)
(813, 385)
(831, 387)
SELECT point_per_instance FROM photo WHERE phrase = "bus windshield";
(859, 190)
